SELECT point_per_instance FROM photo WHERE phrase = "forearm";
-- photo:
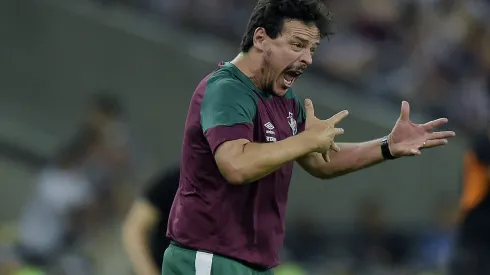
(137, 248)
(258, 160)
(351, 157)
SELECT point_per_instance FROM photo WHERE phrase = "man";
(145, 226)
(472, 253)
(57, 215)
(244, 130)
(110, 159)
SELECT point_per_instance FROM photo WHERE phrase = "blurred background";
(93, 99)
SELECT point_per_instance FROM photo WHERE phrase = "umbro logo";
(269, 126)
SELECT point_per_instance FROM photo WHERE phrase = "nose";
(307, 57)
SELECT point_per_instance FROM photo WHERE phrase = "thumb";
(405, 111)
(310, 110)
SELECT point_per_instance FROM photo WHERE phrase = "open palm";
(408, 138)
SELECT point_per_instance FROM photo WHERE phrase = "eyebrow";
(305, 40)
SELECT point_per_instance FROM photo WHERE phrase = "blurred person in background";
(144, 231)
(472, 251)
(109, 164)
(79, 191)
(58, 212)
(244, 130)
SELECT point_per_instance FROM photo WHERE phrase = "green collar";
(245, 79)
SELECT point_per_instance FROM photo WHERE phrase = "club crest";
(292, 123)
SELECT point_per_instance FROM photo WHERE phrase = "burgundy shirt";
(245, 222)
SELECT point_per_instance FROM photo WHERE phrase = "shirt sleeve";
(227, 112)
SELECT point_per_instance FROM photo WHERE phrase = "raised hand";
(408, 138)
(323, 131)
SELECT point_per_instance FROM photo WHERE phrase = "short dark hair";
(271, 14)
(107, 103)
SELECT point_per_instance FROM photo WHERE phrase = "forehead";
(300, 29)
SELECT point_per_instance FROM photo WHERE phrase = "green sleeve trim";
(227, 102)
(301, 111)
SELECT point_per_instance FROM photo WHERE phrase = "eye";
(297, 46)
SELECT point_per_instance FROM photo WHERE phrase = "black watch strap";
(385, 149)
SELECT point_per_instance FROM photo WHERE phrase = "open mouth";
(290, 77)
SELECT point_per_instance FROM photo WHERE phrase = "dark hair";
(271, 14)
(107, 103)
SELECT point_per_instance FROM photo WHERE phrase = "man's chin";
(280, 91)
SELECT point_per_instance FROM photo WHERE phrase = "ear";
(260, 36)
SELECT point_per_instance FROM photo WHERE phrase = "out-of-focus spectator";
(109, 165)
(80, 190)
(55, 214)
(145, 228)
(472, 251)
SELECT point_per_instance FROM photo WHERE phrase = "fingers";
(337, 131)
(429, 126)
(326, 157)
(414, 152)
(434, 143)
(441, 135)
(338, 117)
(405, 111)
(411, 152)
(426, 145)
(326, 154)
(310, 110)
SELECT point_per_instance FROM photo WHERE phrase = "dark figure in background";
(109, 164)
(472, 251)
(57, 214)
(144, 232)
(76, 192)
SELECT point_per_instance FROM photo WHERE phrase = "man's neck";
(248, 64)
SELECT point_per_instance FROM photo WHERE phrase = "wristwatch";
(385, 149)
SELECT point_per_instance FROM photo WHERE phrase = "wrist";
(385, 148)
(308, 142)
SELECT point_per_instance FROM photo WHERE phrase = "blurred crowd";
(371, 247)
(434, 53)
